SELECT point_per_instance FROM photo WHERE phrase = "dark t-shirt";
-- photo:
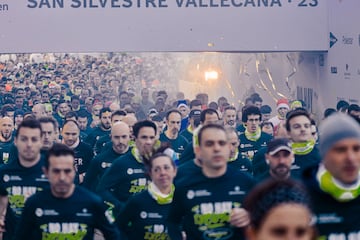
(202, 206)
(5, 148)
(333, 219)
(187, 155)
(75, 217)
(22, 182)
(260, 166)
(178, 145)
(187, 170)
(240, 129)
(98, 166)
(83, 156)
(95, 135)
(101, 142)
(186, 134)
(143, 218)
(242, 164)
(249, 148)
(125, 177)
(305, 161)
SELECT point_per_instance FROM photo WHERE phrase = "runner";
(144, 215)
(213, 196)
(70, 211)
(334, 185)
(23, 176)
(126, 176)
(120, 137)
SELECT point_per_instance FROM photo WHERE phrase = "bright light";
(211, 75)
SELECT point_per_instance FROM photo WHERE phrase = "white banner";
(162, 25)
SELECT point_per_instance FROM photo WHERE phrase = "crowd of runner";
(88, 147)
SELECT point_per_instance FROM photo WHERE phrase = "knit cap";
(335, 128)
(296, 104)
(282, 103)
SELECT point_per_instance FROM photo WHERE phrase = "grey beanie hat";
(335, 128)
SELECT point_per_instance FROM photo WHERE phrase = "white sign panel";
(163, 25)
(341, 74)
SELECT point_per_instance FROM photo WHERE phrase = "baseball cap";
(152, 111)
(278, 144)
(157, 118)
(195, 113)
